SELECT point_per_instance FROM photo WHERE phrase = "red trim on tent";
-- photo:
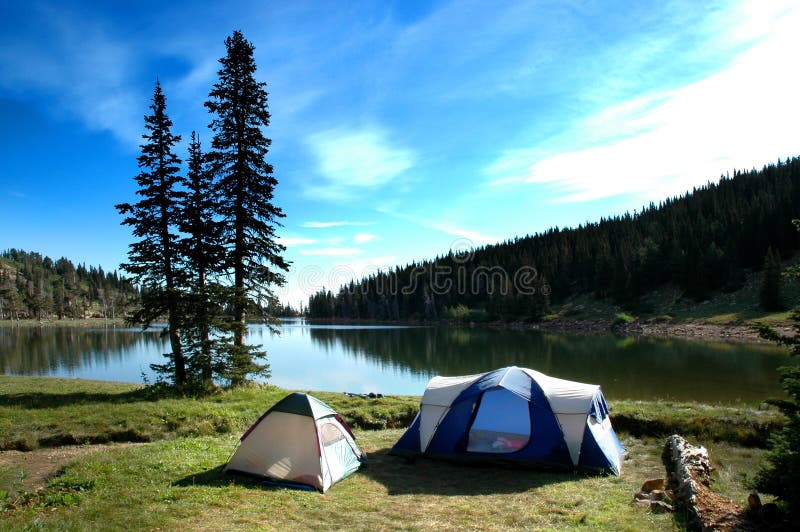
(345, 425)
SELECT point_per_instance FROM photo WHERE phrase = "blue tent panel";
(451, 435)
(409, 441)
(506, 415)
(601, 455)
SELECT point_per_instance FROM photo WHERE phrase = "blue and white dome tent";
(515, 414)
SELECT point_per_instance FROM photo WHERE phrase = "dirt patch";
(36, 468)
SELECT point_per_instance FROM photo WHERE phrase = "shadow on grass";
(439, 477)
(212, 477)
(423, 476)
(217, 478)
(55, 400)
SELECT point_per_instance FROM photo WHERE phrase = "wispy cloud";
(474, 237)
(295, 241)
(331, 251)
(18, 195)
(468, 237)
(354, 161)
(361, 238)
(665, 143)
(325, 225)
(81, 66)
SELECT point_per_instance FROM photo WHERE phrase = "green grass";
(176, 480)
(48, 412)
(669, 304)
(734, 468)
(622, 318)
(178, 484)
(739, 307)
(739, 425)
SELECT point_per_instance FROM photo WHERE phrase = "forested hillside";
(705, 241)
(32, 286)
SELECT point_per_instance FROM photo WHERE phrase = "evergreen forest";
(37, 287)
(705, 241)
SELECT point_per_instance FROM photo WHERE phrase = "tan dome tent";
(300, 440)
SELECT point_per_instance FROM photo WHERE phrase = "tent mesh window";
(502, 424)
(330, 434)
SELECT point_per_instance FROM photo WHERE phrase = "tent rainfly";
(300, 440)
(515, 414)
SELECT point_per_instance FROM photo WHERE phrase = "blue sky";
(401, 129)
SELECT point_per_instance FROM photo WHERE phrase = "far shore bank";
(687, 330)
(67, 322)
(691, 330)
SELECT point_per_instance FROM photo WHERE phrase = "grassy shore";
(67, 322)
(175, 480)
(47, 412)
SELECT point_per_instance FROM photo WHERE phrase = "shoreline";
(688, 330)
(677, 330)
(597, 327)
(117, 323)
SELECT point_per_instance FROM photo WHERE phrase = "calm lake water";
(400, 360)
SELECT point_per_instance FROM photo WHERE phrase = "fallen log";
(689, 478)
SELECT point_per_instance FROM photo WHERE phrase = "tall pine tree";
(780, 475)
(246, 187)
(202, 252)
(152, 258)
(770, 293)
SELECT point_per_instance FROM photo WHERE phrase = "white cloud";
(331, 251)
(81, 67)
(665, 143)
(474, 237)
(361, 238)
(325, 225)
(467, 238)
(351, 162)
(295, 241)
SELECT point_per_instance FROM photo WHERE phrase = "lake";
(400, 360)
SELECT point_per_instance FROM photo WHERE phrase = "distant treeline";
(37, 287)
(33, 286)
(701, 242)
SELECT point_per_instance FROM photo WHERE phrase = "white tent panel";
(340, 454)
(573, 425)
(603, 434)
(565, 397)
(439, 395)
(293, 455)
(319, 409)
(442, 391)
(429, 417)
